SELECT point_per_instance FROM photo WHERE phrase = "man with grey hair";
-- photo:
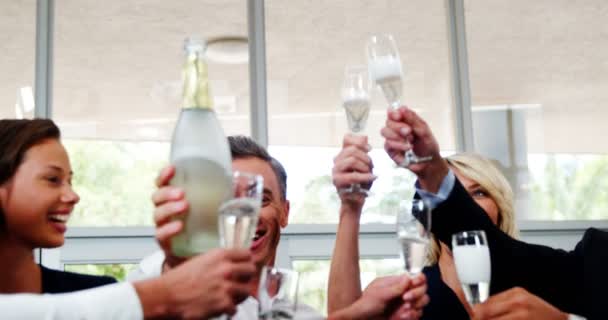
(170, 201)
(248, 156)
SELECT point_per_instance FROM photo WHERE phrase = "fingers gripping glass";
(356, 103)
(413, 226)
(385, 70)
(472, 259)
(277, 293)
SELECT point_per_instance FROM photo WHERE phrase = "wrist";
(358, 311)
(170, 262)
(154, 298)
(352, 312)
(164, 267)
(352, 202)
(432, 176)
(350, 210)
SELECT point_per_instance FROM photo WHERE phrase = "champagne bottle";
(201, 156)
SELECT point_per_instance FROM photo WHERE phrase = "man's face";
(273, 215)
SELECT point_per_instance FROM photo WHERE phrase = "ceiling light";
(228, 49)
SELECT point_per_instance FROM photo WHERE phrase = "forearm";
(351, 312)
(344, 277)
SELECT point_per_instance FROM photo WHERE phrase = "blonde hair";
(483, 171)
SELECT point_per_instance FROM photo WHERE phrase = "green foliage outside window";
(117, 271)
(314, 274)
(571, 188)
(115, 181)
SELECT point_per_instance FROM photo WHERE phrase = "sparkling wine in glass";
(356, 103)
(238, 217)
(472, 259)
(385, 71)
(355, 97)
(277, 293)
(413, 225)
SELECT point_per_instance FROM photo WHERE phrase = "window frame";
(103, 245)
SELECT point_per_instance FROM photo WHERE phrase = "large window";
(538, 76)
(314, 274)
(17, 44)
(306, 62)
(117, 91)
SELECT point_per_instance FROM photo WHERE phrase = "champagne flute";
(472, 259)
(413, 225)
(238, 217)
(385, 70)
(277, 293)
(356, 102)
(355, 97)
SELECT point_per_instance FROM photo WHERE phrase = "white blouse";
(116, 301)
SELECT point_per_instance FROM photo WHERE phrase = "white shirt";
(248, 310)
(117, 301)
(151, 266)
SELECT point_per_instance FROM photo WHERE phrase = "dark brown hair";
(244, 147)
(16, 137)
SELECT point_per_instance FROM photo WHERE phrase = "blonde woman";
(484, 183)
(544, 274)
(491, 191)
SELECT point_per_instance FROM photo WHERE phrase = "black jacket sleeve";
(546, 272)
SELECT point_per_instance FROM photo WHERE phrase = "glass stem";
(396, 104)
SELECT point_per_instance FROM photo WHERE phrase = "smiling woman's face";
(38, 199)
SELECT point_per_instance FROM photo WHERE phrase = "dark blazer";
(573, 281)
(444, 303)
(54, 281)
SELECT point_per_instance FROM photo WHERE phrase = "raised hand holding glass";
(385, 70)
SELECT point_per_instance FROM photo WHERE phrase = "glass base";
(355, 189)
(276, 315)
(410, 158)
